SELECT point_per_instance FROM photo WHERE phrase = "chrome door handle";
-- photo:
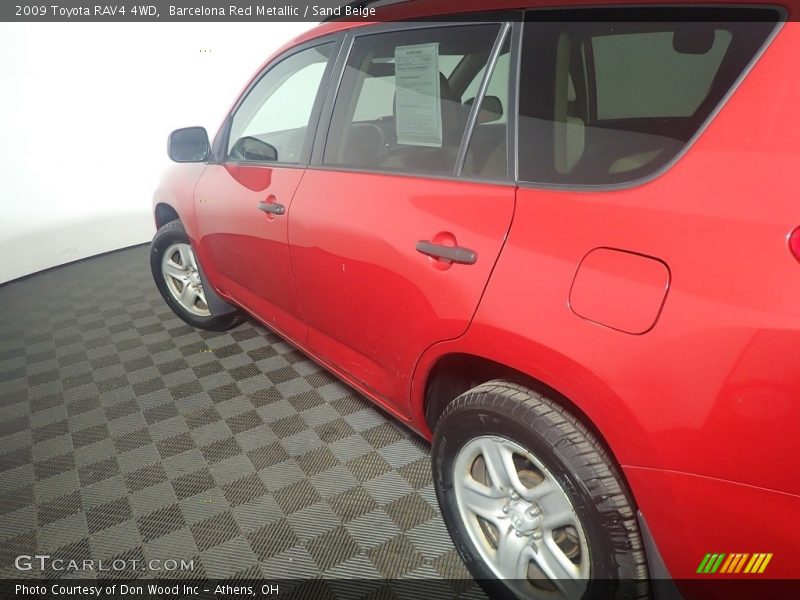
(272, 208)
(456, 254)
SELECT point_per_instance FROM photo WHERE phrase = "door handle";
(456, 254)
(272, 208)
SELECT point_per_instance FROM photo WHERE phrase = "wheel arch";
(455, 373)
(217, 306)
(453, 368)
(164, 213)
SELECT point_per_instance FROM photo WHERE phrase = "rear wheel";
(177, 276)
(532, 501)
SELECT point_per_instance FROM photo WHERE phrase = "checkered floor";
(126, 433)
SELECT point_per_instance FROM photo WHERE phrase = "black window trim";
(515, 64)
(781, 14)
(506, 20)
(219, 151)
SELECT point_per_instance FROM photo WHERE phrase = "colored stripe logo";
(735, 562)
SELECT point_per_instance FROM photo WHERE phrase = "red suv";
(561, 243)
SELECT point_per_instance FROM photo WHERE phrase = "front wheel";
(534, 504)
(177, 276)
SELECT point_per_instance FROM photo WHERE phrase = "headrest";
(365, 145)
(693, 38)
(569, 131)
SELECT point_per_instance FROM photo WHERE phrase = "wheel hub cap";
(525, 517)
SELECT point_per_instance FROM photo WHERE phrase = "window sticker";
(418, 111)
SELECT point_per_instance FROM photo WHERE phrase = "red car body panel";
(700, 408)
(689, 516)
(245, 251)
(383, 301)
(176, 190)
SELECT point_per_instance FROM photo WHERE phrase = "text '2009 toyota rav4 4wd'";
(561, 243)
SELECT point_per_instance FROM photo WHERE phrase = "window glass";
(400, 104)
(638, 74)
(376, 99)
(498, 84)
(487, 154)
(377, 95)
(609, 96)
(271, 123)
(448, 63)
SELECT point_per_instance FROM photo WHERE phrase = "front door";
(242, 203)
(391, 246)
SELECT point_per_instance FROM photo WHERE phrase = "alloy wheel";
(182, 276)
(520, 519)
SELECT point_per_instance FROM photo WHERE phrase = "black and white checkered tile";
(126, 433)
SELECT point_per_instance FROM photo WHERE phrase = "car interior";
(372, 142)
(618, 100)
(583, 142)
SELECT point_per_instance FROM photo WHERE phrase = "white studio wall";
(85, 111)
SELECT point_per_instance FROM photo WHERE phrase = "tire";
(572, 530)
(175, 269)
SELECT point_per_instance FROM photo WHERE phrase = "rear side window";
(608, 96)
(403, 103)
(644, 75)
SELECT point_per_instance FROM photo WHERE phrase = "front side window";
(608, 96)
(271, 123)
(401, 105)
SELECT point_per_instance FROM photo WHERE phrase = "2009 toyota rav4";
(561, 243)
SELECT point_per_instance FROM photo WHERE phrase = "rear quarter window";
(610, 96)
(643, 75)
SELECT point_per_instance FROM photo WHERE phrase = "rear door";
(397, 224)
(242, 201)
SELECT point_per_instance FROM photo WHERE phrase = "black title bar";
(185, 10)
